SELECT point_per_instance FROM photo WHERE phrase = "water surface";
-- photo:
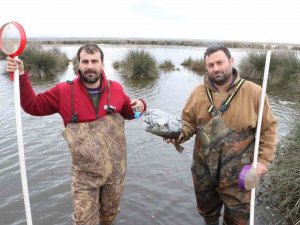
(159, 188)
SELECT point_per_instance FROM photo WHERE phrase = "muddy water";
(159, 187)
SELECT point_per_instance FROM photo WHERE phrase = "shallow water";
(159, 188)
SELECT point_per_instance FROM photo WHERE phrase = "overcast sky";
(235, 20)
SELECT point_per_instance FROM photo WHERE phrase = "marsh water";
(159, 188)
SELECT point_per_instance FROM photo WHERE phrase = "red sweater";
(58, 99)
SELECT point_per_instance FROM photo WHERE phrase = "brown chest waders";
(99, 157)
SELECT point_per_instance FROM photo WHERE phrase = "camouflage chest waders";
(99, 156)
(219, 155)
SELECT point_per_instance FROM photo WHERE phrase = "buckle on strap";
(211, 108)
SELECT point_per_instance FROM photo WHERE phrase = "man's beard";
(222, 81)
(90, 80)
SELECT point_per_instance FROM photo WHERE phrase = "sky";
(230, 20)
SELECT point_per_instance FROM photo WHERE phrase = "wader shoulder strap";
(108, 94)
(224, 106)
(74, 114)
(212, 107)
(109, 109)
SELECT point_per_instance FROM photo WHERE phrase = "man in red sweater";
(93, 110)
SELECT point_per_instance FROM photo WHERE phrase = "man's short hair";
(90, 49)
(215, 48)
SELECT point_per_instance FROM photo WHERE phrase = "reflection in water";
(139, 88)
(158, 188)
(136, 85)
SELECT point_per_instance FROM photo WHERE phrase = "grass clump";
(290, 65)
(2, 55)
(285, 180)
(75, 63)
(44, 63)
(138, 64)
(117, 65)
(196, 65)
(167, 65)
(284, 66)
(253, 64)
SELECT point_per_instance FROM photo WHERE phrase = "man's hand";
(177, 142)
(137, 105)
(13, 64)
(173, 141)
(261, 169)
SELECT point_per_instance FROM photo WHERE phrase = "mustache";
(218, 73)
(90, 71)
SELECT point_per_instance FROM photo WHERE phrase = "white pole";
(258, 128)
(21, 146)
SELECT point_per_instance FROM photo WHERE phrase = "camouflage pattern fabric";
(219, 155)
(99, 157)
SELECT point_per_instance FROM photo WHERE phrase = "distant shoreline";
(170, 42)
(160, 42)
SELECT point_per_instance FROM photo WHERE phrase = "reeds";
(2, 55)
(75, 62)
(284, 66)
(196, 65)
(167, 65)
(43, 63)
(285, 180)
(138, 64)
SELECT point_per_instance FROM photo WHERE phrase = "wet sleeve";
(42, 104)
(268, 136)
